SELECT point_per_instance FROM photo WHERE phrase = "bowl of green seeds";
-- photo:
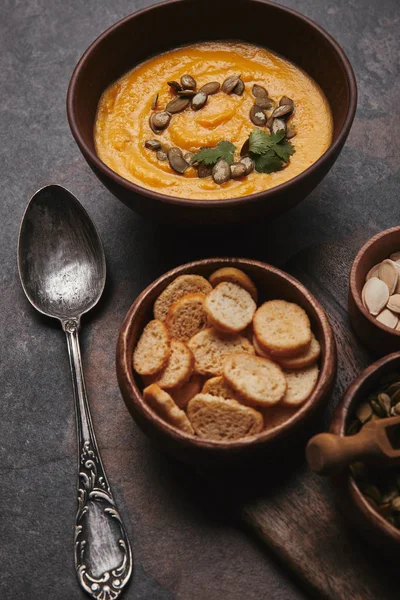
(367, 494)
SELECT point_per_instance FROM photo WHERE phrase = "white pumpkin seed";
(375, 295)
(373, 272)
(386, 317)
(394, 303)
(389, 274)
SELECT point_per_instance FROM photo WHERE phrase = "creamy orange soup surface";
(122, 122)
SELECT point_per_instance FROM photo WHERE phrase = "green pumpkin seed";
(199, 100)
(248, 163)
(239, 88)
(204, 170)
(238, 170)
(175, 86)
(159, 121)
(176, 160)
(221, 172)
(376, 407)
(385, 403)
(258, 116)
(161, 155)
(282, 111)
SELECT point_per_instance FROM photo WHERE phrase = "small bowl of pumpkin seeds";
(367, 494)
(374, 297)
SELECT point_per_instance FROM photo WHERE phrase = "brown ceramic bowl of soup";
(377, 336)
(279, 434)
(263, 42)
(360, 512)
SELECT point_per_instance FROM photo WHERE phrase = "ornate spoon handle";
(103, 557)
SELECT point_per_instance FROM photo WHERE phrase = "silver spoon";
(63, 271)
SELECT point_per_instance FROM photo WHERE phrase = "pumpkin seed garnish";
(278, 125)
(245, 148)
(188, 83)
(248, 163)
(285, 100)
(153, 144)
(176, 160)
(177, 105)
(385, 402)
(159, 121)
(291, 131)
(188, 156)
(161, 155)
(210, 88)
(238, 170)
(282, 111)
(187, 93)
(258, 116)
(221, 172)
(199, 100)
(261, 96)
(204, 170)
(239, 88)
(230, 83)
(175, 86)
(154, 102)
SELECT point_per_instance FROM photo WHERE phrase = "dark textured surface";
(184, 547)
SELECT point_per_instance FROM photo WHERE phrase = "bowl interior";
(378, 248)
(359, 390)
(271, 283)
(171, 24)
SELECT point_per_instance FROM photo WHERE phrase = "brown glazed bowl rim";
(130, 389)
(290, 185)
(338, 427)
(353, 285)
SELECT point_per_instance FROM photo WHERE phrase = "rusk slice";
(307, 358)
(178, 369)
(234, 276)
(300, 384)
(152, 350)
(217, 386)
(215, 418)
(187, 391)
(186, 317)
(164, 406)
(282, 328)
(229, 307)
(210, 349)
(258, 380)
(181, 286)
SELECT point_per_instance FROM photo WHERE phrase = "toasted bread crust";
(229, 307)
(220, 419)
(186, 317)
(306, 359)
(164, 406)
(259, 380)
(282, 329)
(210, 348)
(217, 386)
(179, 287)
(178, 369)
(152, 350)
(300, 384)
(234, 276)
(187, 391)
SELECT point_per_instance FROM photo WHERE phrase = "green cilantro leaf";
(210, 156)
(284, 150)
(269, 152)
(268, 162)
(260, 142)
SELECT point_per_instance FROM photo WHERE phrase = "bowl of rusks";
(225, 360)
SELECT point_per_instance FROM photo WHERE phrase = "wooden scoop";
(378, 443)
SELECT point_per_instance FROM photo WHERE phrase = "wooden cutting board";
(296, 517)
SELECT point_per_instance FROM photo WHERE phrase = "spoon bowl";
(63, 271)
(60, 256)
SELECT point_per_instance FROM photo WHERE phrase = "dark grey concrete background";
(184, 547)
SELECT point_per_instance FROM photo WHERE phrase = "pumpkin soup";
(214, 120)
